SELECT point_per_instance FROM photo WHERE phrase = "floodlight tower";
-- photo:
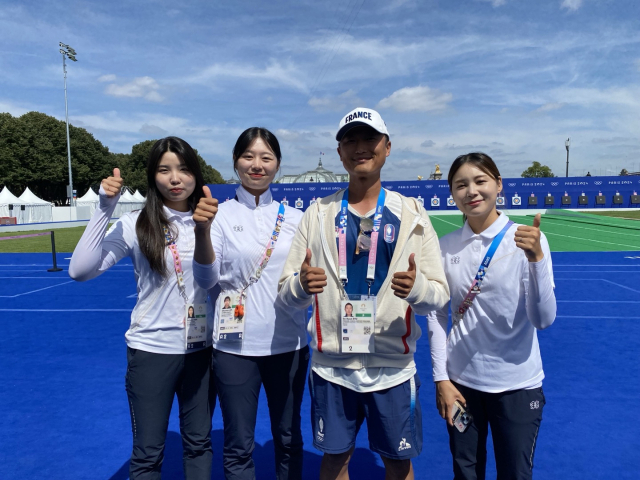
(70, 53)
(567, 144)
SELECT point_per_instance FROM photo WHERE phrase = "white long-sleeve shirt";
(494, 348)
(157, 319)
(239, 235)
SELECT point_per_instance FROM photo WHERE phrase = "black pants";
(238, 380)
(514, 418)
(152, 380)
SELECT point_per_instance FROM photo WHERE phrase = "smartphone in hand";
(461, 418)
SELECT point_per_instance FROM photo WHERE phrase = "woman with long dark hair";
(169, 339)
(257, 341)
(501, 284)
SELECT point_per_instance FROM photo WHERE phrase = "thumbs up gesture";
(312, 279)
(528, 239)
(402, 282)
(112, 185)
(206, 210)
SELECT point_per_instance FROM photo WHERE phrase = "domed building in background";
(319, 174)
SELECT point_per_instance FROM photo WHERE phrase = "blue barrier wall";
(435, 193)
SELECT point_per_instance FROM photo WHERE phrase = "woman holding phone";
(501, 281)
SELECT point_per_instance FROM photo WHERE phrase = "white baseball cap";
(361, 116)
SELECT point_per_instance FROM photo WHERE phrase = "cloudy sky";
(512, 78)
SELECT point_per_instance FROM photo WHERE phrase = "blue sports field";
(64, 411)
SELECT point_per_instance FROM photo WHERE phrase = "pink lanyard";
(268, 251)
(177, 264)
(342, 238)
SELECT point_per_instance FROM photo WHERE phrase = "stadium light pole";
(567, 144)
(70, 53)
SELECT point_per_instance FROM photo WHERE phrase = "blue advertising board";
(434, 194)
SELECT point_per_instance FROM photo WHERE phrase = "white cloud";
(141, 87)
(496, 3)
(609, 140)
(335, 103)
(571, 5)
(625, 97)
(13, 109)
(548, 107)
(416, 99)
(116, 122)
(292, 135)
(273, 75)
(428, 143)
(153, 130)
(107, 78)
(395, 4)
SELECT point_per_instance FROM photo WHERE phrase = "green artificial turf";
(566, 232)
(66, 240)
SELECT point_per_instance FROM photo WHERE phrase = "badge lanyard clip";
(342, 239)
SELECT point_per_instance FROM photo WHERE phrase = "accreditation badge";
(358, 318)
(195, 332)
(231, 319)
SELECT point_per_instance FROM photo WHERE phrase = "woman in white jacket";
(501, 284)
(169, 350)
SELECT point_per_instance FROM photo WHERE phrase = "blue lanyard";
(342, 237)
(491, 252)
(475, 286)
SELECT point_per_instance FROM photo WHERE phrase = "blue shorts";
(394, 418)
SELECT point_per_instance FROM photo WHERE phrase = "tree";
(536, 170)
(13, 171)
(624, 171)
(33, 153)
(210, 174)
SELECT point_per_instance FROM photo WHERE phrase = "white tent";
(137, 195)
(19, 208)
(90, 199)
(7, 198)
(127, 203)
(38, 210)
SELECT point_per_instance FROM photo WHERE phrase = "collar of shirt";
(249, 200)
(175, 214)
(489, 232)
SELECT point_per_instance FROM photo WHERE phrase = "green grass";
(66, 240)
(630, 214)
(567, 234)
(562, 235)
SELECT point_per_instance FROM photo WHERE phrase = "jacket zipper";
(327, 253)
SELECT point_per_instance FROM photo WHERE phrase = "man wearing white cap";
(376, 250)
